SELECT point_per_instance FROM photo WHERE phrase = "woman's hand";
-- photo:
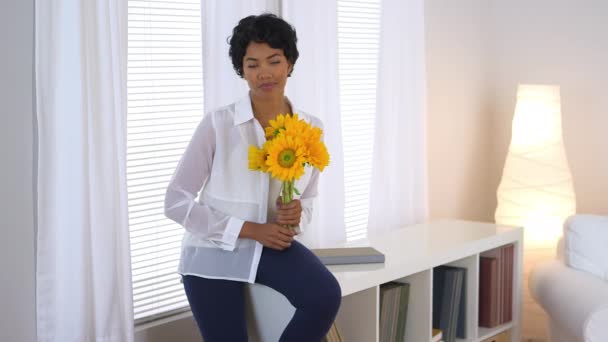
(290, 213)
(270, 235)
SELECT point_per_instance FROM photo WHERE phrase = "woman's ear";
(289, 70)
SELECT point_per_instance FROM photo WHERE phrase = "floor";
(534, 318)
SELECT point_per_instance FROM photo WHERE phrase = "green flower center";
(287, 158)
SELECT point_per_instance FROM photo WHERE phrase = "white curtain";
(83, 271)
(221, 83)
(399, 182)
(314, 88)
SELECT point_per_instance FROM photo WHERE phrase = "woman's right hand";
(270, 235)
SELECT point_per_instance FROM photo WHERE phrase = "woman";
(235, 231)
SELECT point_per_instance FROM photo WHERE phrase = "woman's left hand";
(290, 213)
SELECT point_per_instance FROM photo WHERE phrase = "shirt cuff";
(231, 234)
(298, 229)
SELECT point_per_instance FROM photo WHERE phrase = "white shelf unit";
(411, 254)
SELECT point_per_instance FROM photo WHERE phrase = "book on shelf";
(402, 314)
(449, 301)
(510, 251)
(488, 292)
(348, 255)
(496, 286)
(394, 299)
(461, 325)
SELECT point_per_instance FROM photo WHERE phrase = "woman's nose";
(264, 74)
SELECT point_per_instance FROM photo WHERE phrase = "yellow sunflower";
(285, 157)
(314, 134)
(257, 159)
(317, 155)
(297, 128)
(281, 124)
(276, 126)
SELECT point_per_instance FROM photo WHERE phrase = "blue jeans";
(218, 305)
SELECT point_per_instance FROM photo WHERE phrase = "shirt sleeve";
(307, 199)
(191, 173)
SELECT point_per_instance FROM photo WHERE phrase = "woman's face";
(265, 70)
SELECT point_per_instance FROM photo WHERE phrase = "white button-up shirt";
(216, 164)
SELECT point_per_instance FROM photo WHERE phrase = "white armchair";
(573, 288)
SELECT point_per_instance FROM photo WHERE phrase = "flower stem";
(287, 195)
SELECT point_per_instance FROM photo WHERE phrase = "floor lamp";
(536, 190)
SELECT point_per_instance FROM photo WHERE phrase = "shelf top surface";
(420, 247)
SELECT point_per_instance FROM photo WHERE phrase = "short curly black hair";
(264, 28)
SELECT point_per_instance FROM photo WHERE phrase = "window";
(165, 104)
(358, 44)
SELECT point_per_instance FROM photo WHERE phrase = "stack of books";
(496, 287)
(449, 301)
(394, 298)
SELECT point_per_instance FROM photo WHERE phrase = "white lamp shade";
(536, 189)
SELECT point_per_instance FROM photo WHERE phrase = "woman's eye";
(252, 66)
(275, 62)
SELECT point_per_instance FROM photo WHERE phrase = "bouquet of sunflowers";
(291, 145)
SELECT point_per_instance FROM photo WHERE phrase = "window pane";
(165, 104)
(358, 40)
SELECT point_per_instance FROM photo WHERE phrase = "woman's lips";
(267, 86)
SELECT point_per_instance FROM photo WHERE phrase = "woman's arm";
(190, 175)
(270, 235)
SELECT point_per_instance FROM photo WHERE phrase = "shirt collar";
(244, 110)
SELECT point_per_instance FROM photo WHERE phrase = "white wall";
(17, 296)
(477, 53)
(563, 42)
(458, 118)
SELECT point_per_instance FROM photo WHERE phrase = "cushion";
(586, 244)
